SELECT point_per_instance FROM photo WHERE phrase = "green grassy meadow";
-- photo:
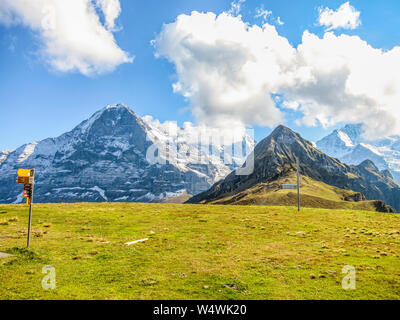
(198, 252)
(314, 194)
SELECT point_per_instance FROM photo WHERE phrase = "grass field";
(198, 252)
(314, 194)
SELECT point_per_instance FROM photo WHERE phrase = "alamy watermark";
(49, 20)
(49, 280)
(349, 281)
(202, 147)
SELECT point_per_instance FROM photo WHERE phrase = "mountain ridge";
(105, 158)
(275, 157)
(348, 145)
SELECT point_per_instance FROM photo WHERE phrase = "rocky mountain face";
(275, 157)
(106, 158)
(348, 146)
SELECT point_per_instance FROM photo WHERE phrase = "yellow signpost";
(295, 186)
(25, 172)
(27, 178)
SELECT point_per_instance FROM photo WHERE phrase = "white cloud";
(266, 15)
(293, 105)
(194, 134)
(346, 17)
(111, 10)
(71, 34)
(236, 7)
(344, 79)
(228, 70)
(262, 13)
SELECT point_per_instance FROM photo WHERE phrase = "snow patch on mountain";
(172, 194)
(4, 155)
(345, 138)
(100, 191)
(122, 198)
(64, 189)
(28, 151)
(373, 149)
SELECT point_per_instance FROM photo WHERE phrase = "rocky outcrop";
(383, 207)
(356, 197)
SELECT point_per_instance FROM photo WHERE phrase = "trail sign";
(27, 191)
(289, 186)
(298, 183)
(25, 172)
(295, 186)
(27, 178)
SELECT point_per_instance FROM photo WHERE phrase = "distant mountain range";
(275, 159)
(105, 158)
(348, 146)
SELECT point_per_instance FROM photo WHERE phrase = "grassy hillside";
(198, 252)
(314, 194)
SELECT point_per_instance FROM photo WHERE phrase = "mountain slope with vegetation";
(314, 194)
(275, 158)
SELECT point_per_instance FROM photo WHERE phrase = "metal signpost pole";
(298, 183)
(27, 178)
(30, 211)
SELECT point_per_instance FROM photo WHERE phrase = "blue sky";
(39, 102)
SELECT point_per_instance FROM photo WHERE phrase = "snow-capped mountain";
(348, 146)
(115, 156)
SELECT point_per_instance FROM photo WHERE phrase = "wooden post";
(30, 211)
(298, 184)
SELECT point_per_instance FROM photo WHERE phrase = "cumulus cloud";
(344, 79)
(346, 17)
(71, 33)
(226, 68)
(231, 71)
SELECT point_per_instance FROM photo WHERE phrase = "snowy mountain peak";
(106, 158)
(336, 144)
(117, 106)
(349, 146)
(340, 140)
(115, 110)
(111, 116)
(354, 132)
